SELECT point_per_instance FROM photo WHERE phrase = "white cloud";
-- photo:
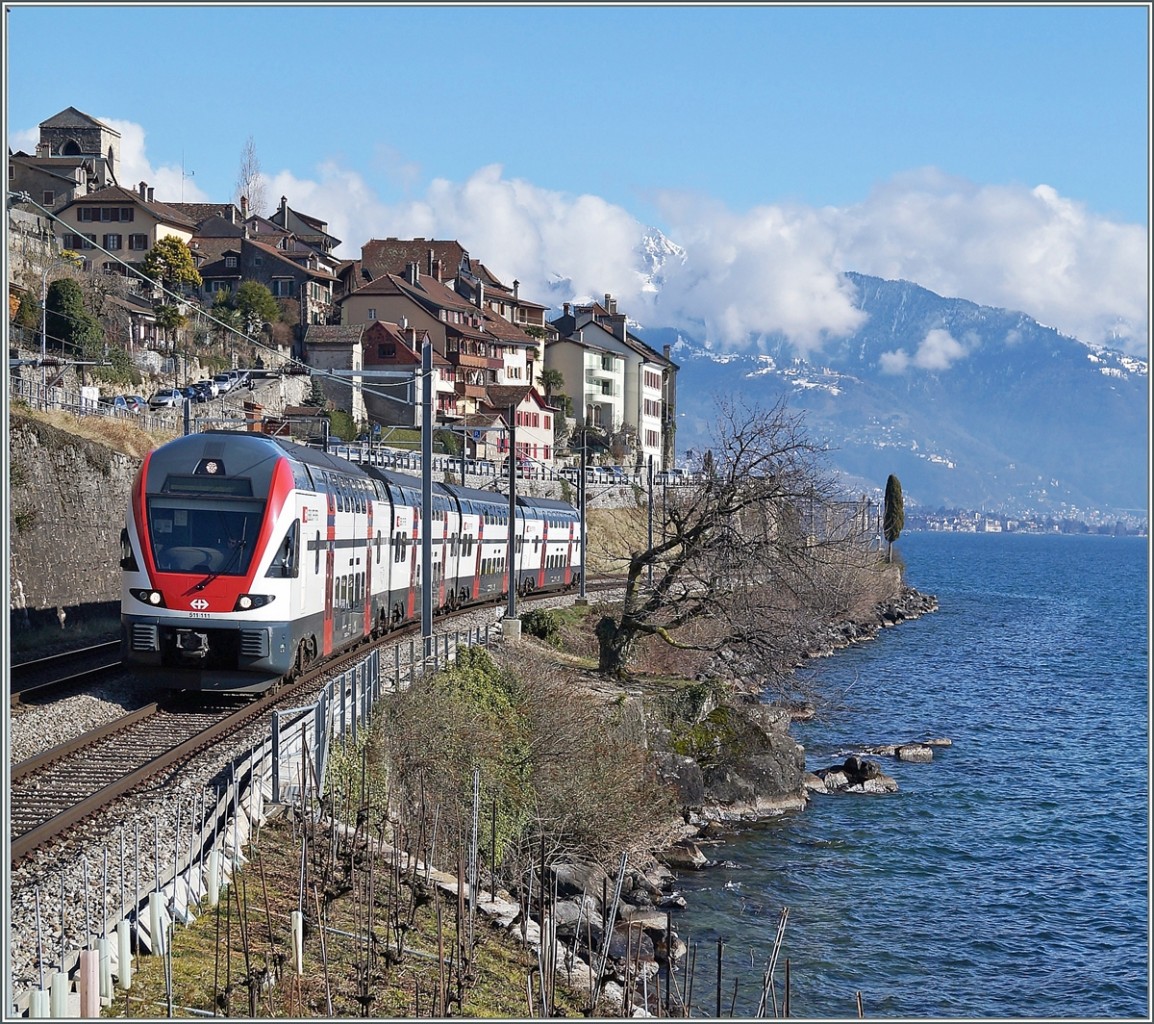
(1023, 249)
(894, 362)
(938, 351)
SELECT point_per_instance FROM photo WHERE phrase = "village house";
(616, 381)
(395, 349)
(338, 347)
(122, 222)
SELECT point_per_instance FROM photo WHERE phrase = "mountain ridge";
(970, 406)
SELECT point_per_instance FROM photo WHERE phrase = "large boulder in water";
(857, 775)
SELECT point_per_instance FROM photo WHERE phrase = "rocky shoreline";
(753, 769)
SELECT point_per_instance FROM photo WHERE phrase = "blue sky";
(997, 153)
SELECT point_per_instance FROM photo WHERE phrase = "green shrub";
(542, 624)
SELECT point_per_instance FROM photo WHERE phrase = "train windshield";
(213, 536)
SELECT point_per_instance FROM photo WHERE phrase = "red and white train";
(247, 558)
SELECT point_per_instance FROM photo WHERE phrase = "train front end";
(210, 552)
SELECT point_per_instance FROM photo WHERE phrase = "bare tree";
(748, 559)
(250, 183)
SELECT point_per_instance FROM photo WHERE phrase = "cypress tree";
(895, 514)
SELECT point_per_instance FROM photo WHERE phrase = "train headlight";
(246, 602)
(152, 597)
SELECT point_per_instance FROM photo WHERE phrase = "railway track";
(60, 788)
(70, 669)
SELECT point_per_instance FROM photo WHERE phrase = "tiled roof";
(334, 334)
(392, 255)
(279, 254)
(499, 327)
(70, 117)
(201, 212)
(505, 395)
(119, 194)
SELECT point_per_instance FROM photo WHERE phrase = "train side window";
(127, 555)
(302, 480)
(317, 569)
(379, 545)
(286, 562)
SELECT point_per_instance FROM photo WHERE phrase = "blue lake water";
(1010, 876)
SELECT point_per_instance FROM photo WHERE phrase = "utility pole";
(583, 504)
(511, 463)
(427, 496)
(650, 477)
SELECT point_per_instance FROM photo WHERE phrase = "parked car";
(140, 403)
(223, 383)
(193, 393)
(119, 404)
(571, 473)
(211, 386)
(524, 468)
(166, 398)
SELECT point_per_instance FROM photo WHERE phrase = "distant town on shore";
(967, 521)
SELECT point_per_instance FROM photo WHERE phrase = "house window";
(88, 242)
(138, 242)
(230, 261)
(283, 287)
(258, 261)
(372, 313)
(388, 351)
(112, 242)
(49, 195)
(72, 241)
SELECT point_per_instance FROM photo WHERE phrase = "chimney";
(516, 289)
(608, 303)
(244, 207)
(412, 273)
(566, 308)
(150, 195)
(142, 188)
(284, 212)
(480, 295)
(433, 267)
